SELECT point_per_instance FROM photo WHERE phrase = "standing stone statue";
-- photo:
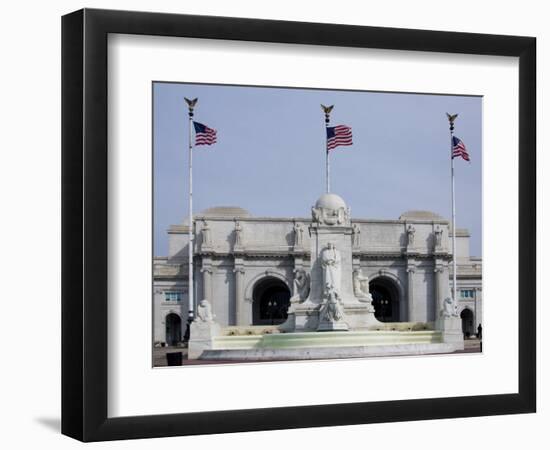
(205, 231)
(298, 235)
(331, 262)
(238, 234)
(438, 235)
(410, 235)
(356, 236)
(301, 286)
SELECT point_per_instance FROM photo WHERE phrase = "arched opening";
(385, 299)
(271, 298)
(467, 317)
(173, 329)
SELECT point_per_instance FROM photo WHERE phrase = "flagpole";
(327, 110)
(327, 163)
(451, 129)
(191, 301)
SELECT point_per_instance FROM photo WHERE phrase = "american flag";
(204, 135)
(459, 149)
(338, 135)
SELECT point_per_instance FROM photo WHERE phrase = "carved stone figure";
(449, 308)
(326, 216)
(331, 262)
(361, 289)
(330, 209)
(410, 235)
(356, 236)
(360, 284)
(298, 235)
(316, 214)
(238, 234)
(438, 235)
(204, 311)
(205, 231)
(331, 309)
(301, 286)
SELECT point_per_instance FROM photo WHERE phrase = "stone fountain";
(331, 313)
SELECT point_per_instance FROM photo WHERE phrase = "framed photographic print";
(327, 210)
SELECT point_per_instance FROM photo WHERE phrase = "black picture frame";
(84, 224)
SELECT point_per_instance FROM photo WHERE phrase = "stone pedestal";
(331, 276)
(326, 325)
(202, 335)
(451, 331)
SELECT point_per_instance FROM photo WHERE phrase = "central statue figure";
(332, 267)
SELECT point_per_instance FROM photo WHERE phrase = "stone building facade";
(245, 267)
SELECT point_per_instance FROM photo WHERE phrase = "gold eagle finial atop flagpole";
(191, 103)
(327, 109)
(451, 117)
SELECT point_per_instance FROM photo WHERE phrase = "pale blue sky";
(270, 155)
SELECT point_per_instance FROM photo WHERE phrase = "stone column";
(437, 291)
(442, 288)
(478, 307)
(410, 292)
(241, 317)
(207, 284)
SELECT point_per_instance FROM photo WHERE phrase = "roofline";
(308, 220)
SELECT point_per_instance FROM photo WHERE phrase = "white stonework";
(204, 332)
(242, 261)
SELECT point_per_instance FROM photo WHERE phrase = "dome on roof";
(330, 201)
(225, 211)
(420, 215)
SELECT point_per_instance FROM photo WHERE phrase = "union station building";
(245, 265)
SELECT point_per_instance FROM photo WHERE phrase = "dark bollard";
(174, 358)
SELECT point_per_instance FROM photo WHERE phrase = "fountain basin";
(326, 345)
